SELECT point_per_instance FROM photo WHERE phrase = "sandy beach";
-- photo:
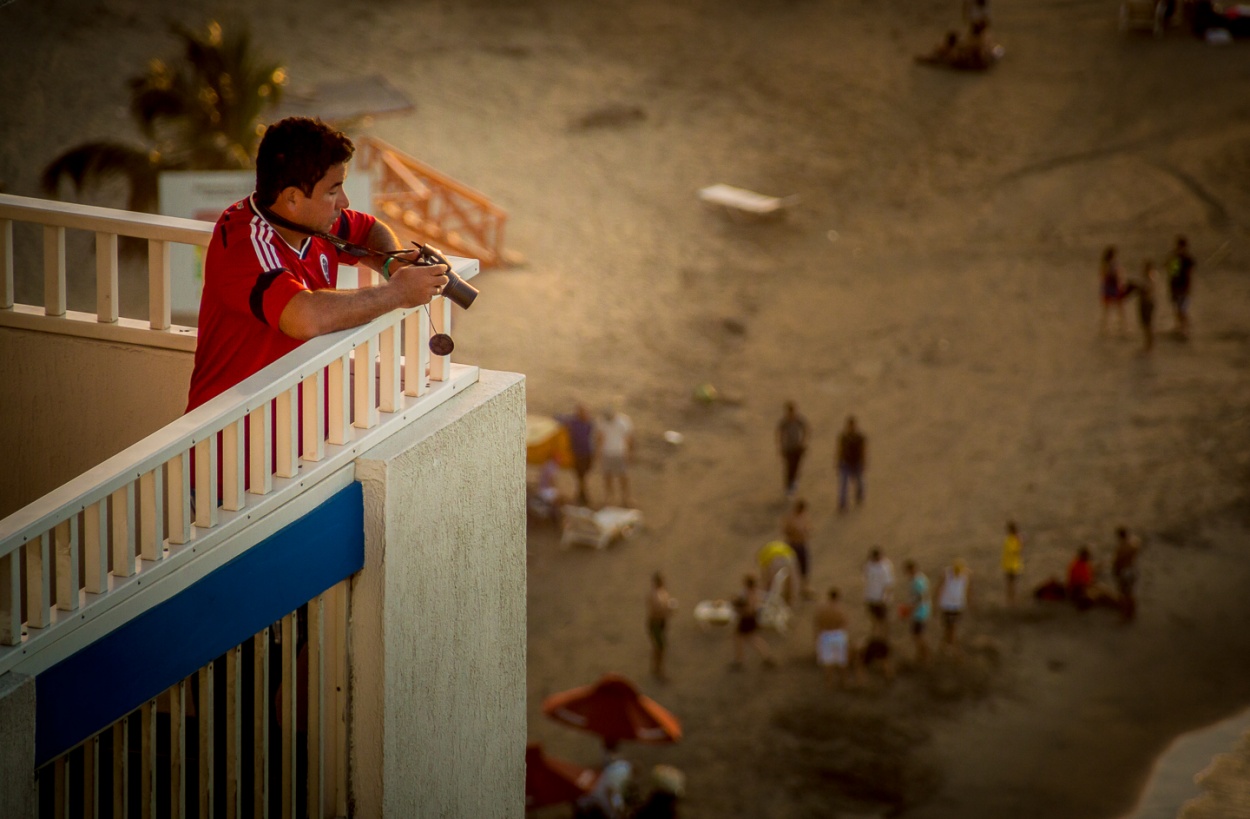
(936, 276)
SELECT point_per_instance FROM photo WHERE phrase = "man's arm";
(312, 313)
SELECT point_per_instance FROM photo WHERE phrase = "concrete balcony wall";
(69, 403)
(438, 613)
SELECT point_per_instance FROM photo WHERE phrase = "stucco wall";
(67, 403)
(17, 746)
(438, 614)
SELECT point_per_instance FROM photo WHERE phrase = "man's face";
(328, 200)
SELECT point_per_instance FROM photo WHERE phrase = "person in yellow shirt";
(1013, 560)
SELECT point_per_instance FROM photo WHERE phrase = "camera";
(457, 289)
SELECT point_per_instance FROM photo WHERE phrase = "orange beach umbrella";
(553, 781)
(614, 709)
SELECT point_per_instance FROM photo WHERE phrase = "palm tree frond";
(94, 162)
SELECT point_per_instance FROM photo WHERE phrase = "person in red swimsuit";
(267, 287)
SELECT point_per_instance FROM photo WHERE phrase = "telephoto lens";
(457, 289)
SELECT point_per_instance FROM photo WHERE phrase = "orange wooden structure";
(420, 204)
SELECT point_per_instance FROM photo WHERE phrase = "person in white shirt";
(878, 584)
(614, 445)
(952, 597)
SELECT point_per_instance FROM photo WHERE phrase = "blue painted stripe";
(85, 693)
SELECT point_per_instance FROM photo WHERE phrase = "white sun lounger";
(597, 528)
(744, 201)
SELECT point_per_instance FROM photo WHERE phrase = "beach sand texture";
(936, 276)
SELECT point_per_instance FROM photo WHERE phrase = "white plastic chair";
(775, 612)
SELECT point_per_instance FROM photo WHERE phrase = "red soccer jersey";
(250, 274)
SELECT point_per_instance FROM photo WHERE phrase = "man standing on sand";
(878, 584)
(1180, 269)
(852, 458)
(1124, 567)
(660, 607)
(832, 643)
(614, 445)
(796, 529)
(919, 607)
(792, 443)
(1013, 560)
(953, 595)
(581, 429)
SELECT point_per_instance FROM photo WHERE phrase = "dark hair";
(297, 152)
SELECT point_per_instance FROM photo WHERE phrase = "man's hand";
(416, 284)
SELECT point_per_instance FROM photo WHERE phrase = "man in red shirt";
(269, 287)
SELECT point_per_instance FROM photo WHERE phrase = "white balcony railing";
(129, 521)
(107, 225)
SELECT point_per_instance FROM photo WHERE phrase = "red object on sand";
(553, 781)
(614, 709)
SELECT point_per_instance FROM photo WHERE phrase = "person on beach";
(660, 606)
(1143, 287)
(792, 444)
(1124, 568)
(1180, 269)
(747, 605)
(1111, 289)
(832, 642)
(1083, 587)
(875, 653)
(878, 586)
(953, 595)
(614, 446)
(918, 608)
(581, 427)
(851, 461)
(796, 529)
(1013, 560)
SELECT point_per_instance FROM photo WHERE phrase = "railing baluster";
(53, 270)
(338, 422)
(336, 699)
(204, 723)
(416, 331)
(315, 730)
(60, 787)
(38, 582)
(178, 487)
(65, 537)
(158, 284)
(234, 733)
(147, 760)
(312, 391)
(388, 370)
(106, 277)
(91, 778)
(440, 314)
(260, 450)
(286, 434)
(260, 725)
(95, 548)
(151, 515)
(121, 759)
(365, 409)
(177, 749)
(206, 483)
(122, 505)
(6, 264)
(232, 466)
(10, 599)
(287, 713)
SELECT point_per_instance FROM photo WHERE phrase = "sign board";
(204, 195)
